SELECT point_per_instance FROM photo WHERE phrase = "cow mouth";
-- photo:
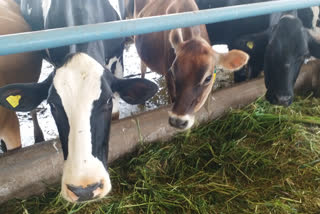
(281, 100)
(182, 122)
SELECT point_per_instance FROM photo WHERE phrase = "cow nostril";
(86, 193)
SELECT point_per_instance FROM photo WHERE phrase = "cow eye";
(208, 79)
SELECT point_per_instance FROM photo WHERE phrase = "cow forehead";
(196, 46)
(194, 66)
(78, 82)
(196, 51)
(289, 45)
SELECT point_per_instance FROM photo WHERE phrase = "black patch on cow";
(113, 67)
(32, 13)
(61, 119)
(306, 16)
(318, 20)
(3, 146)
(255, 65)
(100, 122)
(228, 31)
(81, 12)
(69, 13)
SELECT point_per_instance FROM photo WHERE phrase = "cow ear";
(24, 96)
(233, 60)
(314, 42)
(134, 91)
(175, 38)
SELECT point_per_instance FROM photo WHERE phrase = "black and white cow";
(282, 49)
(80, 92)
(49, 14)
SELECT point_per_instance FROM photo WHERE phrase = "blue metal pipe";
(10, 44)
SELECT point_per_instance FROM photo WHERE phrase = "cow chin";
(182, 122)
(85, 181)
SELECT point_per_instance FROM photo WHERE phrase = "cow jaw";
(78, 84)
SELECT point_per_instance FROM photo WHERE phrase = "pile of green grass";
(261, 159)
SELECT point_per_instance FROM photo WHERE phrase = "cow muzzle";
(81, 183)
(282, 100)
(182, 122)
(79, 193)
(86, 192)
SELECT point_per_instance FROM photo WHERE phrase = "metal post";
(24, 42)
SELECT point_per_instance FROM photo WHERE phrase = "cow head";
(80, 96)
(193, 72)
(289, 46)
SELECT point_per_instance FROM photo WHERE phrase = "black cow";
(226, 32)
(282, 49)
(79, 92)
(229, 32)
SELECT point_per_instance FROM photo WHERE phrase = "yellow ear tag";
(250, 44)
(214, 75)
(14, 100)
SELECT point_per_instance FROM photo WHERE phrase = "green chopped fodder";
(260, 159)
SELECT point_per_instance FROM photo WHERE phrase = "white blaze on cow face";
(315, 11)
(78, 84)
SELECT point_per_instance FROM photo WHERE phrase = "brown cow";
(185, 57)
(16, 68)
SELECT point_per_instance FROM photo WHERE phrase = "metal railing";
(38, 40)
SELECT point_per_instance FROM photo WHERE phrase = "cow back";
(82, 12)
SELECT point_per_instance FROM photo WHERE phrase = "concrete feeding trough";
(30, 171)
